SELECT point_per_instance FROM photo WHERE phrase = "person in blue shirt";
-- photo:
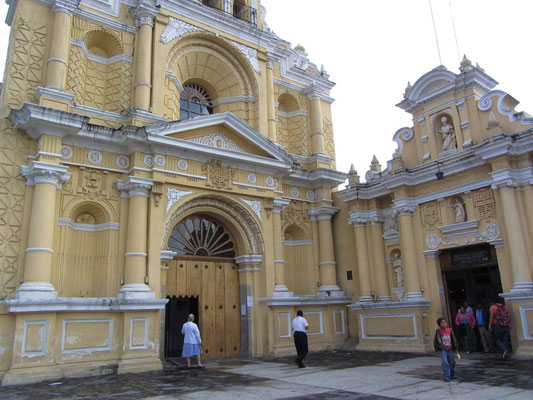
(482, 318)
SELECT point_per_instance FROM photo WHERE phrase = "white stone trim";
(305, 300)
(288, 315)
(303, 242)
(110, 7)
(146, 327)
(293, 113)
(38, 249)
(234, 99)
(341, 313)
(249, 259)
(98, 59)
(44, 349)
(100, 19)
(523, 318)
(136, 254)
(115, 226)
(174, 195)
(177, 28)
(363, 317)
(321, 330)
(249, 53)
(214, 139)
(87, 350)
(255, 205)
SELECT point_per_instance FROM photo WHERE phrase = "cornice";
(40, 172)
(322, 212)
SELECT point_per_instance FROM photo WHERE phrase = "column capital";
(404, 206)
(322, 212)
(432, 253)
(66, 6)
(40, 172)
(135, 186)
(249, 259)
(279, 205)
(144, 13)
(271, 61)
(167, 255)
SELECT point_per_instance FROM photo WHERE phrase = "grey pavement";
(329, 375)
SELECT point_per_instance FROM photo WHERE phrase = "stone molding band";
(38, 249)
(136, 254)
(58, 60)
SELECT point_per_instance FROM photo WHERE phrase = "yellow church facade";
(161, 158)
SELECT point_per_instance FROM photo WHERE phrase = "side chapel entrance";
(203, 280)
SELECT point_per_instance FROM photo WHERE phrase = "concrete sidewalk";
(329, 375)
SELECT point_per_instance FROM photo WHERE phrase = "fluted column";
(515, 240)
(327, 264)
(317, 129)
(271, 109)
(144, 15)
(363, 266)
(280, 289)
(380, 265)
(138, 190)
(38, 266)
(410, 266)
(56, 73)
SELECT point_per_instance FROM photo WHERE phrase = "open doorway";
(176, 313)
(471, 275)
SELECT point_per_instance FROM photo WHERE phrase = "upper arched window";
(195, 101)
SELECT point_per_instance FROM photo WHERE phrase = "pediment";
(222, 133)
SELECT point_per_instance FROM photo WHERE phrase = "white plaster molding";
(174, 195)
(485, 103)
(305, 300)
(294, 191)
(87, 350)
(135, 254)
(98, 112)
(135, 186)
(293, 113)
(174, 79)
(82, 304)
(34, 291)
(524, 320)
(322, 212)
(146, 321)
(94, 157)
(177, 28)
(491, 232)
(122, 162)
(44, 339)
(249, 259)
(106, 21)
(99, 59)
(107, 226)
(40, 172)
(252, 178)
(66, 152)
(283, 315)
(401, 135)
(321, 322)
(433, 241)
(255, 205)
(110, 7)
(279, 205)
(135, 291)
(218, 140)
(167, 255)
(336, 315)
(53, 93)
(412, 316)
(234, 99)
(460, 226)
(38, 249)
(183, 165)
(303, 242)
(159, 160)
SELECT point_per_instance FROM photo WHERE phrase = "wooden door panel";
(181, 277)
(207, 308)
(232, 313)
(220, 310)
(194, 277)
(171, 279)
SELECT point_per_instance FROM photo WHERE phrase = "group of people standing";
(493, 324)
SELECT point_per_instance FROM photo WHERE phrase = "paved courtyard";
(329, 375)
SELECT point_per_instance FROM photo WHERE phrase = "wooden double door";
(215, 283)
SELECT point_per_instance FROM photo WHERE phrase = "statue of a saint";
(459, 209)
(398, 269)
(448, 135)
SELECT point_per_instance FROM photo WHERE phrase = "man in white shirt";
(299, 326)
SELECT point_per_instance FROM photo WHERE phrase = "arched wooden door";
(200, 271)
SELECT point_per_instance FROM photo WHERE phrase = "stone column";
(138, 190)
(409, 264)
(271, 109)
(249, 265)
(38, 266)
(56, 74)
(327, 264)
(380, 265)
(515, 240)
(144, 15)
(363, 266)
(280, 288)
(317, 130)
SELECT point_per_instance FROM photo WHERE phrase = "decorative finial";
(407, 89)
(466, 65)
(352, 170)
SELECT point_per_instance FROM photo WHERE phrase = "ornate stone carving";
(398, 269)
(294, 191)
(484, 204)
(430, 214)
(250, 54)
(459, 210)
(271, 182)
(252, 178)
(66, 152)
(218, 140)
(122, 162)
(159, 160)
(135, 186)
(295, 213)
(86, 218)
(173, 195)
(255, 205)
(149, 161)
(318, 194)
(218, 176)
(176, 28)
(94, 157)
(310, 195)
(433, 241)
(491, 232)
(183, 165)
(447, 133)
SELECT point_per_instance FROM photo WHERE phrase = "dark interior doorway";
(176, 312)
(470, 274)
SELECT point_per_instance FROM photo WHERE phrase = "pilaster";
(280, 288)
(317, 130)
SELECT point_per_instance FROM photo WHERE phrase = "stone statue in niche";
(459, 210)
(447, 132)
(398, 269)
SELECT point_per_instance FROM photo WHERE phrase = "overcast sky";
(372, 48)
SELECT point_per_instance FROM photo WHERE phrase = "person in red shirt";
(500, 326)
(447, 345)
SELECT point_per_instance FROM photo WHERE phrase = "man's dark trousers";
(300, 341)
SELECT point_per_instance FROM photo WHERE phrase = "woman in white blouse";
(192, 342)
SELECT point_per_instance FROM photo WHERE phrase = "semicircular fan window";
(201, 236)
(194, 101)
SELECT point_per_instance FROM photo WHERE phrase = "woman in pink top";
(466, 323)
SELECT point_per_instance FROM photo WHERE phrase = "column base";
(414, 296)
(365, 299)
(384, 299)
(135, 291)
(282, 291)
(36, 291)
(330, 290)
(520, 287)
